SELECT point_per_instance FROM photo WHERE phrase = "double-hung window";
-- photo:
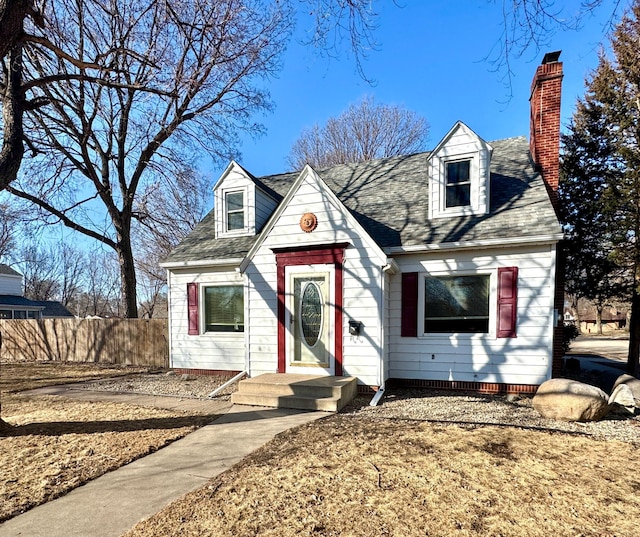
(234, 202)
(224, 308)
(456, 304)
(458, 184)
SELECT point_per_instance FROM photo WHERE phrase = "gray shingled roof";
(50, 308)
(6, 269)
(389, 198)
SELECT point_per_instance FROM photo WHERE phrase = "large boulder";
(570, 400)
(621, 400)
(634, 385)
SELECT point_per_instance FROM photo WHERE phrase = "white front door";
(311, 316)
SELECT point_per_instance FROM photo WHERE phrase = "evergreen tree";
(600, 187)
(588, 166)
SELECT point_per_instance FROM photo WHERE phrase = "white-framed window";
(459, 171)
(223, 308)
(457, 183)
(459, 180)
(484, 302)
(235, 213)
(457, 304)
(20, 314)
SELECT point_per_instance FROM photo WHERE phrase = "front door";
(311, 315)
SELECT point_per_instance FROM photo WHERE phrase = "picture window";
(457, 304)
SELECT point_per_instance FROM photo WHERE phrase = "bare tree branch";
(365, 131)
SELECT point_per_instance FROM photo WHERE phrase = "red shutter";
(507, 301)
(192, 308)
(409, 322)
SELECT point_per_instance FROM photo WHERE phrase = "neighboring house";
(10, 281)
(13, 305)
(435, 269)
(611, 319)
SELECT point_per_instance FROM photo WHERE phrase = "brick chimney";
(544, 143)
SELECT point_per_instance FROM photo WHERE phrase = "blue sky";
(432, 59)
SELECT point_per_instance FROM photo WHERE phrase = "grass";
(345, 475)
(353, 476)
(57, 447)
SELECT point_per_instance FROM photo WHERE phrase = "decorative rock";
(634, 386)
(622, 398)
(189, 377)
(570, 400)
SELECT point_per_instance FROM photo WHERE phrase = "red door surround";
(310, 255)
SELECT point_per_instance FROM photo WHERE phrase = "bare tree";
(365, 131)
(529, 25)
(168, 212)
(8, 222)
(100, 292)
(102, 140)
(73, 267)
(332, 21)
(39, 271)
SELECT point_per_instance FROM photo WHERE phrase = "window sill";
(237, 233)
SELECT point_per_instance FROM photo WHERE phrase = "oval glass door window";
(311, 313)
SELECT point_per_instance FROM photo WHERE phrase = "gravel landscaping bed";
(429, 405)
(164, 383)
(473, 409)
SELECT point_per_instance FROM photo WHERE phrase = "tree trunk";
(12, 108)
(599, 320)
(127, 276)
(633, 361)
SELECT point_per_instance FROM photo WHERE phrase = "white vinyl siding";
(10, 284)
(525, 359)
(361, 285)
(264, 207)
(208, 350)
(257, 204)
(461, 144)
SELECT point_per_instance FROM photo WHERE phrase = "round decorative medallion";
(308, 222)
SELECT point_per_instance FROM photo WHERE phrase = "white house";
(436, 269)
(10, 281)
(13, 305)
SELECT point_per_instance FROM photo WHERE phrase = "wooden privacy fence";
(141, 342)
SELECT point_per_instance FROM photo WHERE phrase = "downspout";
(228, 383)
(380, 393)
(169, 317)
(247, 321)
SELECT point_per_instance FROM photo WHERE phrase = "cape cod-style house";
(436, 269)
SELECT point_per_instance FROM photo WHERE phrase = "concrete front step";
(305, 392)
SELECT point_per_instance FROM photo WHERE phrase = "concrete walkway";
(605, 356)
(113, 503)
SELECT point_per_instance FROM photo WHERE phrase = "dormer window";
(459, 175)
(458, 184)
(235, 211)
(241, 206)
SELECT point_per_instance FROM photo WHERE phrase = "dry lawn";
(57, 444)
(350, 475)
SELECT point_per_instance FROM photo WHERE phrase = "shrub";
(570, 333)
